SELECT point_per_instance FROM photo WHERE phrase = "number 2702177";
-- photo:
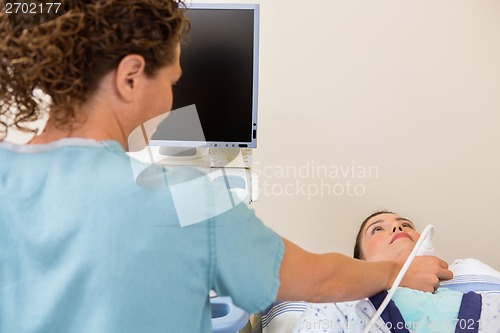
(32, 8)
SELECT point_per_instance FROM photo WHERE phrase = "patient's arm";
(334, 277)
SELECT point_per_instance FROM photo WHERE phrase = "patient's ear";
(129, 75)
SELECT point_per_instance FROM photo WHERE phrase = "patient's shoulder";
(473, 275)
(471, 266)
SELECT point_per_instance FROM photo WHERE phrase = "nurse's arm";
(334, 277)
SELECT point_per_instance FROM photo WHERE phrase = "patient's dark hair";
(67, 57)
(358, 254)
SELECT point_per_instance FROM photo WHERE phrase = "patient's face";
(386, 236)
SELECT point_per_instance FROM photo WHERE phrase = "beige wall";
(404, 93)
(410, 89)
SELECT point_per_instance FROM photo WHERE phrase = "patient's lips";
(400, 235)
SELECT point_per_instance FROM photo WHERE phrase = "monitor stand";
(179, 153)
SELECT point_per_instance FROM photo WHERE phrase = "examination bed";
(470, 275)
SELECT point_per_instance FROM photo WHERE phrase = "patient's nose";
(399, 228)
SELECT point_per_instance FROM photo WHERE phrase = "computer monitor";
(215, 101)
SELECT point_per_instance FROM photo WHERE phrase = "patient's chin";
(399, 253)
(403, 253)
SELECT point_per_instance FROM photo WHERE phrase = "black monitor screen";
(219, 78)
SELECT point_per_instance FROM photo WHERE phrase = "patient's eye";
(376, 229)
(408, 225)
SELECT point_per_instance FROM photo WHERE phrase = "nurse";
(82, 247)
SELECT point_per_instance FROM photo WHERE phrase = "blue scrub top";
(84, 248)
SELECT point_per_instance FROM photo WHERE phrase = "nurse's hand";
(425, 272)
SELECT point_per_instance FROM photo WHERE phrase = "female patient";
(384, 235)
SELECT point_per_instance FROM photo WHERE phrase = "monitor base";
(180, 153)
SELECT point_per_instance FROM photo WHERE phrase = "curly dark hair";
(67, 56)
